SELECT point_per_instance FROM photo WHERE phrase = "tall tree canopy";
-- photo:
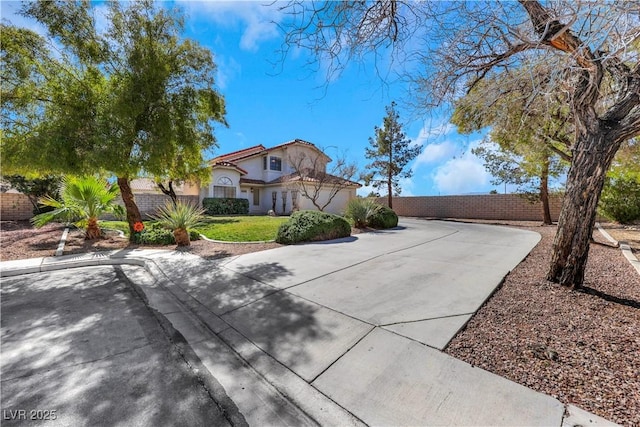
(529, 140)
(128, 99)
(390, 152)
(590, 50)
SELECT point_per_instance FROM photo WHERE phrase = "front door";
(256, 199)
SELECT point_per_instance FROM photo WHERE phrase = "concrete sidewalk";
(348, 331)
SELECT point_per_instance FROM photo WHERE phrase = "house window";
(264, 163)
(275, 163)
(256, 196)
(225, 188)
(220, 191)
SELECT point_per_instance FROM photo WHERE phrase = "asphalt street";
(81, 348)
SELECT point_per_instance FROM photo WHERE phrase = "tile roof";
(328, 178)
(229, 165)
(251, 181)
(240, 154)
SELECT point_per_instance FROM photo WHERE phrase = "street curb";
(63, 241)
(625, 248)
(310, 401)
(203, 237)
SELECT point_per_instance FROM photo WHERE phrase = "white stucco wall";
(310, 157)
(253, 166)
(337, 205)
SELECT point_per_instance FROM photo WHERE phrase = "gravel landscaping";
(582, 348)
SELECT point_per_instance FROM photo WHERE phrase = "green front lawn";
(227, 228)
(241, 228)
(115, 225)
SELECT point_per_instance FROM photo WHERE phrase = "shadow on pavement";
(285, 326)
(81, 343)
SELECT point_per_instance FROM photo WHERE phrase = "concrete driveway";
(362, 319)
(346, 332)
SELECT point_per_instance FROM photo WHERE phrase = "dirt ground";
(580, 346)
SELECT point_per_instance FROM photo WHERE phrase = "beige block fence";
(16, 206)
(485, 206)
(149, 203)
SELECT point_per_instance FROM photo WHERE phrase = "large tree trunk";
(133, 213)
(591, 160)
(544, 192)
(390, 176)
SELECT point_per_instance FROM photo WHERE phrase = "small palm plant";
(82, 201)
(360, 210)
(180, 218)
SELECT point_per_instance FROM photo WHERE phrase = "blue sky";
(271, 101)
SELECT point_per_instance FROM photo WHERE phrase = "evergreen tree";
(391, 152)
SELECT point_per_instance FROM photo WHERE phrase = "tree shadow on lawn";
(81, 342)
(218, 221)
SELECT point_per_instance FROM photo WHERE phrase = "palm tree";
(83, 200)
(180, 218)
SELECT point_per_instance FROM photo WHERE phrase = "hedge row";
(305, 226)
(225, 206)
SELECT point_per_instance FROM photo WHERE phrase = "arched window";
(225, 180)
(224, 188)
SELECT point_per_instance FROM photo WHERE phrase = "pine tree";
(391, 152)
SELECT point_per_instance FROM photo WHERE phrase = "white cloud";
(227, 70)
(407, 186)
(434, 153)
(465, 174)
(435, 148)
(258, 18)
(431, 132)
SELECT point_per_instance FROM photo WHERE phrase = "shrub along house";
(272, 179)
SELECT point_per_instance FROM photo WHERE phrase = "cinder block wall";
(15, 207)
(489, 206)
(149, 203)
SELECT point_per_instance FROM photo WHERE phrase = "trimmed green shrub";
(225, 206)
(156, 234)
(361, 210)
(384, 218)
(620, 199)
(305, 226)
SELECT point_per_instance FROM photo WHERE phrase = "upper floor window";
(275, 163)
(264, 163)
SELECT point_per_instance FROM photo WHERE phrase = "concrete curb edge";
(625, 248)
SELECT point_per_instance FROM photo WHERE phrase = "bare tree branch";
(312, 180)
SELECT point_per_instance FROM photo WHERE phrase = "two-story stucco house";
(270, 178)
